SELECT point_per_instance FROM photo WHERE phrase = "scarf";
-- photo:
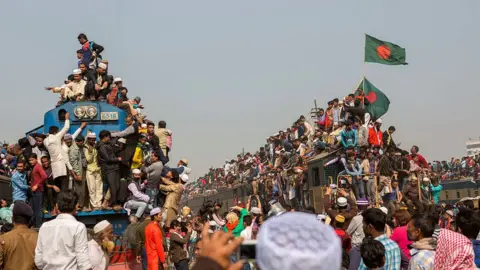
(428, 243)
(231, 226)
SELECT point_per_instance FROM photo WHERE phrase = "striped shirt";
(393, 258)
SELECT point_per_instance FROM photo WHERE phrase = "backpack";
(87, 49)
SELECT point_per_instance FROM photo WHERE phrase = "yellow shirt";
(91, 157)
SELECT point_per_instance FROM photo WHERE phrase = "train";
(97, 114)
(319, 176)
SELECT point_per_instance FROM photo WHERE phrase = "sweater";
(436, 192)
(239, 228)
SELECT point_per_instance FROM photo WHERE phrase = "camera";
(247, 251)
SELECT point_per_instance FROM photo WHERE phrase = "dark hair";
(47, 157)
(53, 130)
(402, 217)
(247, 220)
(162, 124)
(175, 176)
(287, 207)
(80, 51)
(425, 223)
(392, 128)
(376, 218)
(150, 124)
(175, 223)
(67, 200)
(469, 222)
(21, 162)
(21, 220)
(7, 227)
(351, 95)
(33, 155)
(82, 35)
(416, 148)
(103, 134)
(469, 204)
(372, 252)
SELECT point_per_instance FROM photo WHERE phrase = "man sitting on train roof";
(73, 90)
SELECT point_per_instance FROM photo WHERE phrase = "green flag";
(382, 52)
(379, 102)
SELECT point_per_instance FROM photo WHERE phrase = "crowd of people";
(383, 211)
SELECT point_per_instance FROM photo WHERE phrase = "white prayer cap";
(384, 210)
(102, 66)
(155, 211)
(92, 135)
(256, 211)
(77, 72)
(297, 241)
(379, 120)
(102, 225)
(342, 202)
(118, 79)
(136, 171)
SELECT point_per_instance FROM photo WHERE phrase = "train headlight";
(91, 112)
(79, 112)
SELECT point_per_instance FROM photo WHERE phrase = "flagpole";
(364, 63)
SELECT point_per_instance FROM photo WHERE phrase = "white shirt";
(97, 256)
(53, 143)
(62, 245)
(247, 233)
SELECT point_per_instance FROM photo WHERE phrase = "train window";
(446, 194)
(458, 194)
(316, 177)
(476, 192)
(469, 192)
(61, 115)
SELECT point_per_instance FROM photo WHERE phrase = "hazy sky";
(226, 74)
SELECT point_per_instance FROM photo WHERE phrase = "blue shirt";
(476, 250)
(349, 138)
(393, 259)
(436, 192)
(19, 186)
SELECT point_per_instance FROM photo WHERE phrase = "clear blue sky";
(226, 74)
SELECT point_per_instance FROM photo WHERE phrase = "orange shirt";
(154, 245)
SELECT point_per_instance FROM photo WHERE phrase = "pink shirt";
(399, 235)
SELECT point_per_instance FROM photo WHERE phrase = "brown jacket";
(17, 249)
(174, 194)
(177, 252)
(348, 214)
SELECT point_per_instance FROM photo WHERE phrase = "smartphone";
(247, 251)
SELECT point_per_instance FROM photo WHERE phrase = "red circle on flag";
(372, 97)
(383, 51)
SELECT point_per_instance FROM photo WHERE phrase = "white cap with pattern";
(297, 241)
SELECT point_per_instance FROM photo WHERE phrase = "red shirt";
(421, 161)
(38, 177)
(154, 245)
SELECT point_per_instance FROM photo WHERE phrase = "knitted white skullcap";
(297, 241)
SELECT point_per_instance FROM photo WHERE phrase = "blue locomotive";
(97, 114)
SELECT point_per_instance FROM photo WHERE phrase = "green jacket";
(236, 232)
(75, 158)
